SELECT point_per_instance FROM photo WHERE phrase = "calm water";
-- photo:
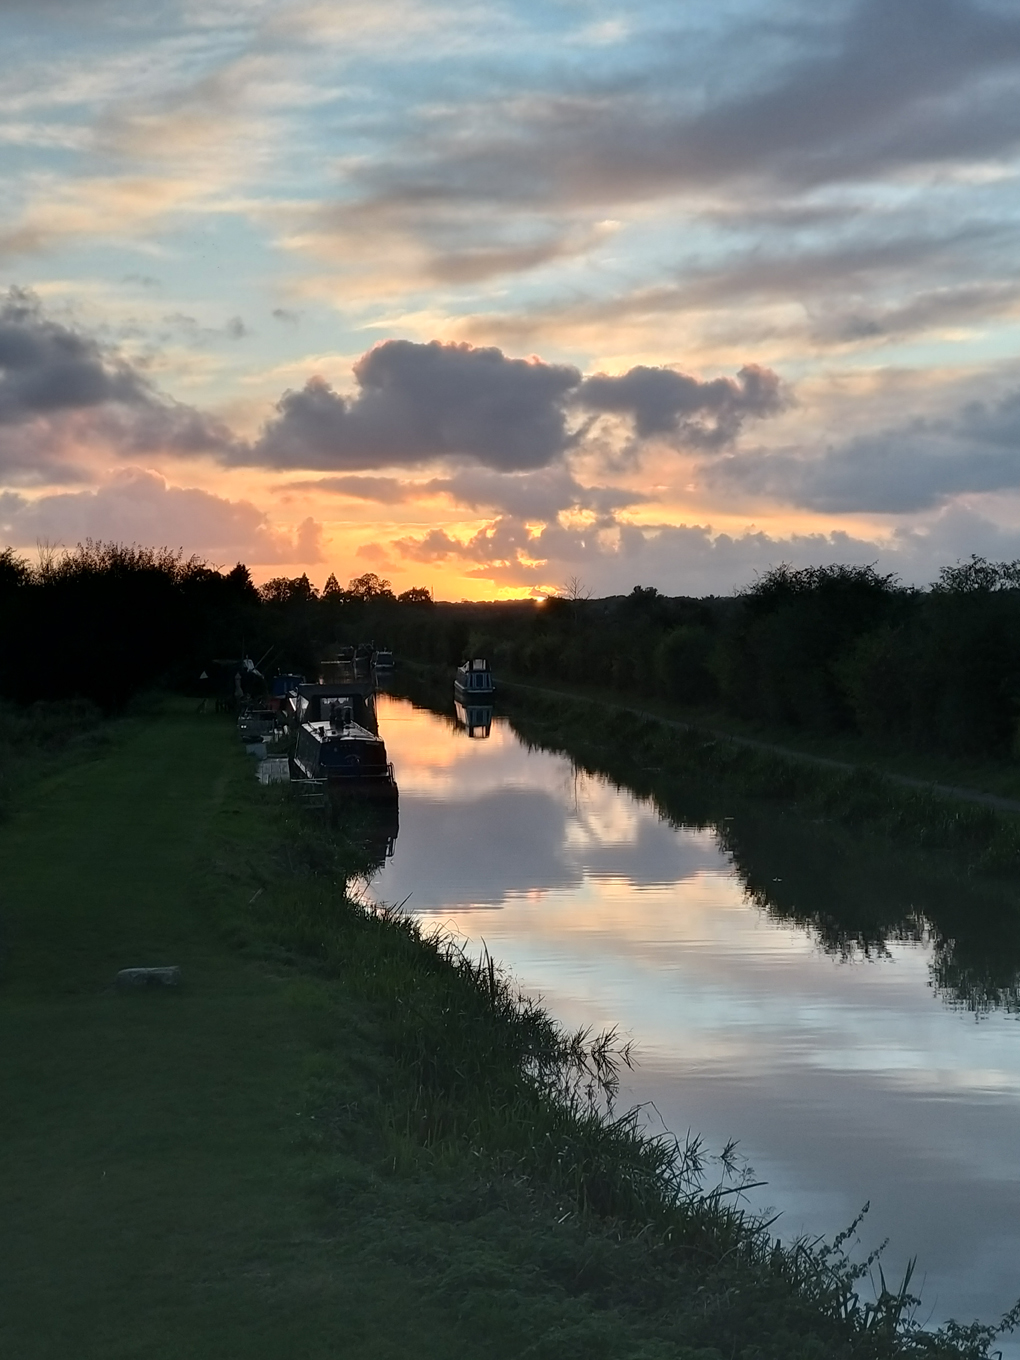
(848, 1075)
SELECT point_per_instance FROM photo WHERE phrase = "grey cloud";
(473, 263)
(532, 495)
(414, 403)
(60, 389)
(875, 87)
(876, 284)
(418, 402)
(910, 468)
(664, 402)
(47, 368)
(140, 507)
(679, 559)
(233, 329)
(967, 304)
(383, 490)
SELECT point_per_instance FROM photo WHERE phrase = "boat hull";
(470, 695)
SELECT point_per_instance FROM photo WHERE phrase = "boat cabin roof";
(352, 731)
(341, 690)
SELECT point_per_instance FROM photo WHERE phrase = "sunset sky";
(486, 297)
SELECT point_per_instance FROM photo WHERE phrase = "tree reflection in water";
(853, 893)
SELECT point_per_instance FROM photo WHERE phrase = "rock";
(129, 978)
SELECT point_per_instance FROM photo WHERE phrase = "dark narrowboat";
(346, 755)
(474, 683)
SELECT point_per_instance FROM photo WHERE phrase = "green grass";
(157, 1192)
(337, 1138)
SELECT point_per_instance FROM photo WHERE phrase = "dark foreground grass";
(339, 1138)
(36, 739)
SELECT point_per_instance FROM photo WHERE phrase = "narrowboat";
(318, 703)
(474, 683)
(346, 755)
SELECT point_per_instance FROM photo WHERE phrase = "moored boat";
(318, 703)
(346, 755)
(474, 682)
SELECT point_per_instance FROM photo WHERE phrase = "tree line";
(105, 620)
(827, 650)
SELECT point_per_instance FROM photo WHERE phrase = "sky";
(494, 298)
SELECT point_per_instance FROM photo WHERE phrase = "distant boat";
(363, 660)
(346, 755)
(476, 719)
(474, 681)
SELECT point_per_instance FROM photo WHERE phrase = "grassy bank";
(337, 1137)
(998, 778)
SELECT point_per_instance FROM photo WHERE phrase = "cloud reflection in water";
(846, 1079)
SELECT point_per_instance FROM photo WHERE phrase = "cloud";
(913, 467)
(414, 404)
(664, 402)
(861, 90)
(537, 495)
(421, 402)
(46, 368)
(61, 392)
(611, 557)
(531, 496)
(870, 278)
(691, 559)
(138, 506)
(382, 490)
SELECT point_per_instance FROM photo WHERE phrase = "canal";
(818, 1001)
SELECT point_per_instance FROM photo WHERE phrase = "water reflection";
(476, 719)
(367, 827)
(858, 905)
(782, 986)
